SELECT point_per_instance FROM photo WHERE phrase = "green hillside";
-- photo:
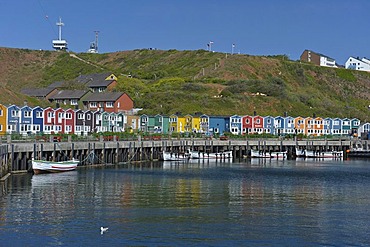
(198, 81)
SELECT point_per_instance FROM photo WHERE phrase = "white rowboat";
(43, 166)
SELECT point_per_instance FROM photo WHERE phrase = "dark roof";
(94, 78)
(69, 94)
(37, 92)
(320, 54)
(57, 84)
(105, 96)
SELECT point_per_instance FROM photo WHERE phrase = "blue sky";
(336, 28)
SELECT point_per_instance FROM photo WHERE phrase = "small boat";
(44, 166)
(170, 156)
(204, 155)
(300, 152)
(269, 154)
(324, 154)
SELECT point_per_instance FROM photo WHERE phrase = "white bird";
(103, 229)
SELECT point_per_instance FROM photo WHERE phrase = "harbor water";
(239, 203)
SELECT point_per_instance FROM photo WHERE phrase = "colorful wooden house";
(37, 119)
(59, 121)
(247, 124)
(188, 123)
(121, 121)
(219, 125)
(195, 124)
(318, 126)
(147, 123)
(355, 124)
(133, 123)
(173, 123)
(13, 115)
(97, 121)
(161, 124)
(49, 118)
(80, 122)
(309, 126)
(3, 119)
(299, 125)
(257, 124)
(328, 126)
(181, 123)
(25, 120)
(337, 126)
(268, 125)
(236, 125)
(69, 121)
(204, 124)
(280, 125)
(346, 126)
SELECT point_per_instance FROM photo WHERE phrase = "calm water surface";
(247, 203)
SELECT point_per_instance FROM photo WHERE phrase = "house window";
(27, 114)
(74, 102)
(14, 113)
(93, 104)
(88, 116)
(68, 115)
(39, 114)
(1, 112)
(80, 116)
(101, 89)
(109, 104)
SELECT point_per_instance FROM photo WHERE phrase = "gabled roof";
(37, 92)
(96, 80)
(57, 84)
(103, 97)
(69, 94)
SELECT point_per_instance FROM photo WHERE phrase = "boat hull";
(42, 166)
(202, 155)
(269, 155)
(169, 156)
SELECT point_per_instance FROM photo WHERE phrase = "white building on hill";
(358, 64)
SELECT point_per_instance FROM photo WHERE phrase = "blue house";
(25, 120)
(13, 119)
(219, 124)
(328, 126)
(269, 124)
(337, 126)
(236, 124)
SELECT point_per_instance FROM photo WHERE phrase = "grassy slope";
(194, 81)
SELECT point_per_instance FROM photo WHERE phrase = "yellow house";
(196, 124)
(3, 119)
(181, 124)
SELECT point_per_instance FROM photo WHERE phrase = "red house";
(109, 102)
(69, 122)
(49, 118)
(247, 124)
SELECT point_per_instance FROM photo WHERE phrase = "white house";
(358, 64)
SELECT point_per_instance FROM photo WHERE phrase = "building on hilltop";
(98, 82)
(358, 64)
(40, 93)
(318, 59)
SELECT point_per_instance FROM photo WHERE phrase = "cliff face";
(198, 81)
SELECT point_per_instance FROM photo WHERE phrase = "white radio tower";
(60, 44)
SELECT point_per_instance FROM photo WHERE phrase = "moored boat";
(324, 154)
(171, 156)
(44, 166)
(269, 154)
(205, 155)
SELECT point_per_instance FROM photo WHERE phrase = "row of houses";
(355, 63)
(27, 120)
(241, 125)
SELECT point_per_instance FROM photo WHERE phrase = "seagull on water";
(103, 229)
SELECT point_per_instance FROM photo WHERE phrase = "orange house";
(318, 126)
(299, 125)
(3, 119)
